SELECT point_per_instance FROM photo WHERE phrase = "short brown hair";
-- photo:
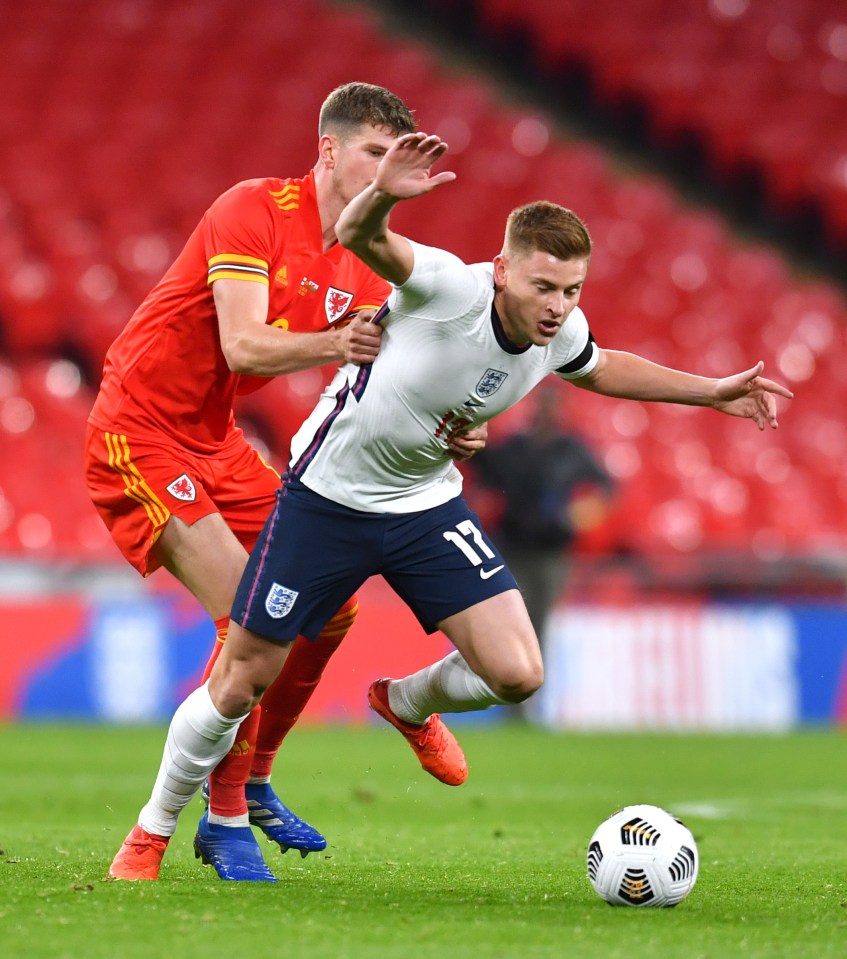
(355, 104)
(547, 227)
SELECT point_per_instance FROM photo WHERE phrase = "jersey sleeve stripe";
(238, 258)
(237, 266)
(224, 273)
(575, 366)
(368, 306)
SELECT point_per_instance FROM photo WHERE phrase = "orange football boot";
(435, 746)
(140, 855)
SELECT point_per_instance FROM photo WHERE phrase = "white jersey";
(376, 441)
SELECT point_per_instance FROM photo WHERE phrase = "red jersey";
(166, 371)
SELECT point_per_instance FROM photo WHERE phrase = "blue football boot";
(232, 850)
(276, 820)
(279, 823)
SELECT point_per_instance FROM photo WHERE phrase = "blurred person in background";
(370, 490)
(261, 289)
(550, 489)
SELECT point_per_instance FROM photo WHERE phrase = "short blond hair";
(547, 227)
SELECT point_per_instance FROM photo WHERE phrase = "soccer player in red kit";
(261, 289)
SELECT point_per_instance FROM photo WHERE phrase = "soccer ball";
(642, 856)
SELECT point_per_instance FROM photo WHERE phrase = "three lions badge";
(280, 600)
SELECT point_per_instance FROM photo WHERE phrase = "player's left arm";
(403, 173)
(628, 376)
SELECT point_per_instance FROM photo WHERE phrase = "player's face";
(536, 293)
(356, 156)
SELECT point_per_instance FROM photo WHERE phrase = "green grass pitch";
(495, 868)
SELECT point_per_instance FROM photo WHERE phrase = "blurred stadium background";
(705, 143)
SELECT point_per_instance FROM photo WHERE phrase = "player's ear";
(327, 149)
(501, 265)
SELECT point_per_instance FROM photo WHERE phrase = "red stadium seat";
(761, 84)
(106, 179)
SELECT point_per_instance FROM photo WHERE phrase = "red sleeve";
(238, 233)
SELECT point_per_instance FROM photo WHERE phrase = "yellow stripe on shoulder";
(290, 188)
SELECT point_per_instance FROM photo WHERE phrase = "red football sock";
(226, 783)
(221, 627)
(286, 698)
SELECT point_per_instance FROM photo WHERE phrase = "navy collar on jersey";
(503, 341)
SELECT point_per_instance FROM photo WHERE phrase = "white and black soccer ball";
(643, 856)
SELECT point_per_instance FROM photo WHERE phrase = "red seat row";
(141, 127)
(764, 85)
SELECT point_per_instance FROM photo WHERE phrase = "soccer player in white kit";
(371, 489)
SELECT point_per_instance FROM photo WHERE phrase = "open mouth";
(548, 327)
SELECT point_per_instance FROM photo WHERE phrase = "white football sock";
(198, 738)
(448, 686)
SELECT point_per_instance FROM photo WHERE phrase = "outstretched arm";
(746, 394)
(403, 173)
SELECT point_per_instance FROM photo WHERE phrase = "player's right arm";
(253, 348)
(403, 173)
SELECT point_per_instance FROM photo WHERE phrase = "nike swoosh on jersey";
(488, 573)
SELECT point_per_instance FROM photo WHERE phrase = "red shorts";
(137, 483)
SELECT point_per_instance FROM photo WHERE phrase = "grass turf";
(495, 868)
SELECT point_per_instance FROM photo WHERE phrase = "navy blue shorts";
(313, 555)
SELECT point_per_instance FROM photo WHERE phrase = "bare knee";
(236, 686)
(247, 665)
(232, 694)
(518, 683)
(496, 639)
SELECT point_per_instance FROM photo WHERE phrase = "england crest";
(279, 600)
(491, 381)
(336, 303)
(182, 488)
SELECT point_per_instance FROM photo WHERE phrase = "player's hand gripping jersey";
(444, 363)
(166, 372)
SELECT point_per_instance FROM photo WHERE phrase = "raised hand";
(750, 395)
(403, 172)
